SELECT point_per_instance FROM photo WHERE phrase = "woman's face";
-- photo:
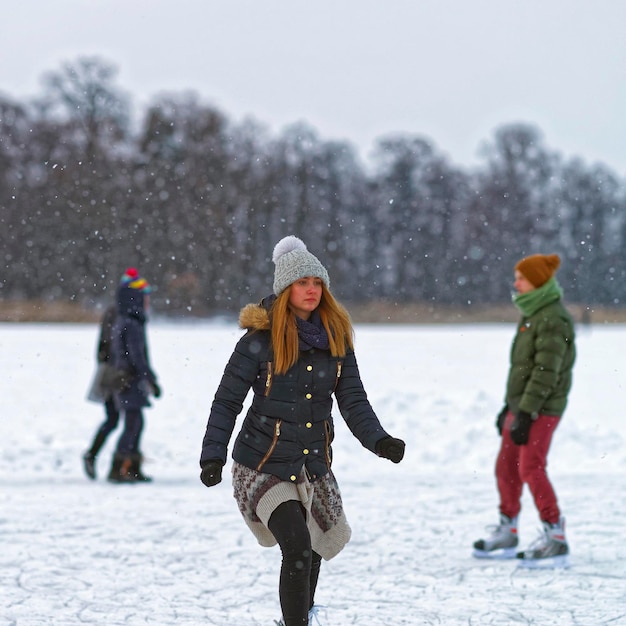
(305, 295)
(522, 284)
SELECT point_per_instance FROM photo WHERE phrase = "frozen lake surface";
(173, 552)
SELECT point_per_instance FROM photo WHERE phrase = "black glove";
(501, 417)
(211, 473)
(520, 428)
(156, 390)
(390, 448)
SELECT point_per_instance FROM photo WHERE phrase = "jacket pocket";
(272, 447)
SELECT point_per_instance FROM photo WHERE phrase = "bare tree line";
(197, 202)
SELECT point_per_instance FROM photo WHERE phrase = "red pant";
(517, 465)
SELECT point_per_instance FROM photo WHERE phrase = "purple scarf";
(311, 333)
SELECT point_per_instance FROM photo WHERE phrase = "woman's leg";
(288, 525)
(533, 463)
(508, 472)
(315, 572)
(133, 424)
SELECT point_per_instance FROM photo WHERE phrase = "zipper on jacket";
(270, 450)
(327, 446)
(338, 375)
(268, 380)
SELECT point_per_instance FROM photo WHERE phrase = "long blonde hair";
(335, 320)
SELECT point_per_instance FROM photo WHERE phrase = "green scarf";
(529, 303)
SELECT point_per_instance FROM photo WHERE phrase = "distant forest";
(89, 186)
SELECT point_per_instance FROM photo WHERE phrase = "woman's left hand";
(390, 448)
(520, 428)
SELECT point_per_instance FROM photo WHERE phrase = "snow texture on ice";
(173, 552)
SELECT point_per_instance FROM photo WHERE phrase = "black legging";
(128, 442)
(106, 428)
(300, 566)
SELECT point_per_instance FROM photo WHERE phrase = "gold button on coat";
(308, 396)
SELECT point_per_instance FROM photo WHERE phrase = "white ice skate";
(314, 618)
(501, 543)
(549, 550)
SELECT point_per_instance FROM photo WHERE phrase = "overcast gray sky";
(448, 70)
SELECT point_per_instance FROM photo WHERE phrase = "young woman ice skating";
(297, 353)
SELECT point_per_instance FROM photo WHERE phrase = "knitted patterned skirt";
(259, 494)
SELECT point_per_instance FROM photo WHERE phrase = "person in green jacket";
(539, 381)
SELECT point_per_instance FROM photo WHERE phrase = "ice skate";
(314, 618)
(501, 543)
(549, 550)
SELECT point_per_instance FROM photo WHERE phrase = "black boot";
(121, 469)
(89, 465)
(89, 458)
(135, 468)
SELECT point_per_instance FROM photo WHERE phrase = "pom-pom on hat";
(294, 261)
(132, 280)
(539, 268)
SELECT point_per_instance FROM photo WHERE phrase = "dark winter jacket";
(542, 358)
(289, 423)
(106, 332)
(130, 349)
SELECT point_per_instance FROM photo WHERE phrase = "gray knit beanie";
(294, 261)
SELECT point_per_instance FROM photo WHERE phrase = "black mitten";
(211, 473)
(390, 448)
(501, 417)
(520, 428)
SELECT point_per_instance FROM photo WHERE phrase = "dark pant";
(128, 442)
(300, 565)
(112, 418)
(107, 427)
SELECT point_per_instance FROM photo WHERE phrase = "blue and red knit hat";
(132, 280)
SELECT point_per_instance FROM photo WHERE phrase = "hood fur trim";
(254, 317)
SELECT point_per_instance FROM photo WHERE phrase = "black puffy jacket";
(289, 423)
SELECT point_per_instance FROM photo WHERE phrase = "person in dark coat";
(105, 393)
(130, 355)
(537, 389)
(297, 353)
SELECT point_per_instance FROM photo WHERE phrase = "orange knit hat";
(539, 268)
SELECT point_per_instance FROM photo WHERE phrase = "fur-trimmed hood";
(254, 317)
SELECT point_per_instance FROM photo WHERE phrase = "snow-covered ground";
(173, 552)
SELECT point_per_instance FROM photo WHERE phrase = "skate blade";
(553, 562)
(495, 555)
